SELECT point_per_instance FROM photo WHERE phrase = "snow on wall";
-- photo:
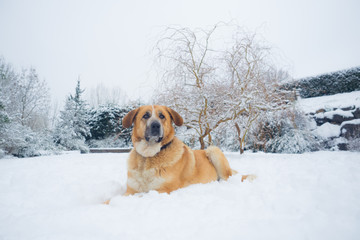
(355, 122)
(331, 114)
(328, 130)
(335, 115)
(341, 100)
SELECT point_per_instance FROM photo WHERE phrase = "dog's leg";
(221, 164)
(129, 191)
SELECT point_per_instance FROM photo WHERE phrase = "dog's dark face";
(152, 124)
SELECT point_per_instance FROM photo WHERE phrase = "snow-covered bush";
(226, 138)
(354, 144)
(2, 153)
(67, 139)
(4, 118)
(108, 142)
(286, 131)
(328, 84)
(188, 136)
(21, 141)
(292, 141)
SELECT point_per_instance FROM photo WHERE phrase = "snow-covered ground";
(340, 100)
(307, 196)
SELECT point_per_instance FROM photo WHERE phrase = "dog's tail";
(221, 164)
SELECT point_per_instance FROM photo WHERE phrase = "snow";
(328, 130)
(330, 114)
(340, 100)
(352, 122)
(305, 196)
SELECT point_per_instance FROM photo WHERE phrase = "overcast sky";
(109, 41)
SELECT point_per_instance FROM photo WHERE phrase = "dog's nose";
(155, 128)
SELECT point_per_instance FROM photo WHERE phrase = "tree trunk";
(209, 139)
(202, 143)
(239, 138)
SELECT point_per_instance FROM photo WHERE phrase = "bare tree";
(24, 102)
(25, 97)
(212, 81)
(34, 100)
(187, 77)
(102, 95)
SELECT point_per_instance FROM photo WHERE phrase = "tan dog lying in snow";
(160, 161)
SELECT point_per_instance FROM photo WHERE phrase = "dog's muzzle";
(154, 132)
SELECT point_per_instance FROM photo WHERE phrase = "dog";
(162, 162)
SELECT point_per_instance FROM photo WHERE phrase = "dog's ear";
(178, 120)
(129, 118)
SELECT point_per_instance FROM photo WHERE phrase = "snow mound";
(303, 196)
(328, 130)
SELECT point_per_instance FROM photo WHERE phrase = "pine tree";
(105, 123)
(72, 128)
(81, 127)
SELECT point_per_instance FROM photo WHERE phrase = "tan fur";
(250, 177)
(176, 166)
(218, 159)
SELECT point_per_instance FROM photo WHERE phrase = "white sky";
(109, 41)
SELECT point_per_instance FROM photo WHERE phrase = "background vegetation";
(222, 80)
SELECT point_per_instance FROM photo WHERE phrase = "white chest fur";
(144, 180)
(146, 149)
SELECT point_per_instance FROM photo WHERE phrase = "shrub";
(354, 144)
(292, 141)
(21, 141)
(327, 84)
(285, 131)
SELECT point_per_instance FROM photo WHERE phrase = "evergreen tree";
(106, 127)
(72, 128)
(80, 111)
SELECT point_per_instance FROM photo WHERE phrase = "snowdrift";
(304, 196)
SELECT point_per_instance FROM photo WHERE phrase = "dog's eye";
(146, 116)
(161, 116)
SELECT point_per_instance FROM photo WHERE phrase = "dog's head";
(152, 128)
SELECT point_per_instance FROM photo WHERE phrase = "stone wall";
(339, 126)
